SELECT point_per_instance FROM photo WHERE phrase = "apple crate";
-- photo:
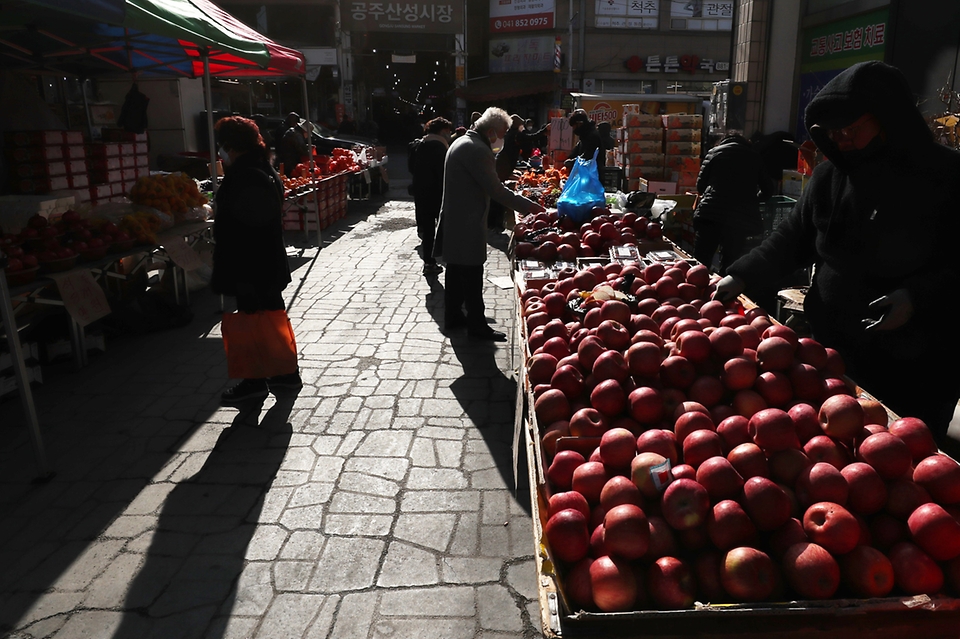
(882, 618)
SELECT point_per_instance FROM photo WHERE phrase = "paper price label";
(661, 475)
(82, 296)
(182, 254)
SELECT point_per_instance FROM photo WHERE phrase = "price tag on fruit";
(182, 254)
(81, 295)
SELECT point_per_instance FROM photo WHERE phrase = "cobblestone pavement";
(377, 502)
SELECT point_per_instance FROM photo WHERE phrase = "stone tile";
(406, 566)
(356, 503)
(429, 530)
(303, 544)
(355, 616)
(424, 628)
(327, 468)
(440, 501)
(394, 468)
(110, 589)
(55, 603)
(470, 570)
(522, 577)
(265, 543)
(89, 564)
(385, 443)
(128, 526)
(305, 518)
(466, 538)
(442, 601)
(311, 494)
(361, 483)
(92, 624)
(347, 564)
(292, 575)
(359, 525)
(423, 453)
(497, 609)
(435, 478)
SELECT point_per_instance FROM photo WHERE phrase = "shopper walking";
(427, 187)
(885, 255)
(249, 258)
(731, 184)
(469, 183)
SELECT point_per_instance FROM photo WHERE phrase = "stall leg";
(20, 371)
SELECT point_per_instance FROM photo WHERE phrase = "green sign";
(841, 44)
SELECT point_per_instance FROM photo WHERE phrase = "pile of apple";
(700, 452)
(547, 237)
(44, 242)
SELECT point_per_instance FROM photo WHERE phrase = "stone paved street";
(377, 502)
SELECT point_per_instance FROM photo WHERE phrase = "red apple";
(643, 359)
(940, 476)
(821, 482)
(772, 429)
(660, 441)
(685, 504)
(936, 531)
(748, 403)
(867, 572)
(914, 571)
(729, 526)
(811, 571)
(613, 584)
(734, 431)
(787, 465)
(887, 453)
(568, 499)
(904, 496)
(739, 373)
(775, 353)
(774, 387)
(748, 574)
(785, 536)
(766, 502)
(568, 380)
(608, 397)
(670, 583)
(588, 479)
(691, 421)
(841, 416)
(560, 471)
(588, 422)
(873, 411)
(650, 473)
(749, 461)
(566, 532)
(552, 406)
(618, 446)
(805, 422)
(620, 490)
(677, 372)
(867, 490)
(822, 448)
(831, 526)
(626, 532)
(916, 436)
(719, 478)
(645, 404)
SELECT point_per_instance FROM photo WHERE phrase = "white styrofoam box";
(8, 384)
(30, 351)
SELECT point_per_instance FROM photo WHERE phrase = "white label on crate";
(661, 475)
(81, 295)
(182, 254)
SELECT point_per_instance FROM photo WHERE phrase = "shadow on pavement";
(109, 430)
(198, 550)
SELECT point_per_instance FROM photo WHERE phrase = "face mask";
(497, 145)
(224, 156)
(859, 157)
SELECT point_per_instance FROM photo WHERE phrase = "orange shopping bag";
(259, 344)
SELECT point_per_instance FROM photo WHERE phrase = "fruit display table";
(698, 469)
(317, 205)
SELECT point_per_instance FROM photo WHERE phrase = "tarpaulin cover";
(147, 37)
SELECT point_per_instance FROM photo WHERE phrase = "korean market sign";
(511, 55)
(627, 14)
(701, 15)
(521, 15)
(436, 16)
(828, 49)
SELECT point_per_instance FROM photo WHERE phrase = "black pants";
(463, 289)
(711, 235)
(426, 228)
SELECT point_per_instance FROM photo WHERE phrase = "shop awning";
(144, 37)
(509, 85)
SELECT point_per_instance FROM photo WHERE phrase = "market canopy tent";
(144, 37)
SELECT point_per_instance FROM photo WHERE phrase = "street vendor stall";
(142, 38)
(678, 451)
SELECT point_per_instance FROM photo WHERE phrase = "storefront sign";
(437, 16)
(627, 14)
(521, 15)
(696, 15)
(830, 48)
(841, 44)
(687, 63)
(509, 55)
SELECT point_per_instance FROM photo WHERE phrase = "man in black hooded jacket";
(880, 221)
(588, 142)
(730, 179)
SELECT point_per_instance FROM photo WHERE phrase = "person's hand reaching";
(894, 311)
(728, 289)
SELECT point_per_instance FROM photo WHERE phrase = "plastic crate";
(774, 210)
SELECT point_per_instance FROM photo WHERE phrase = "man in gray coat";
(469, 182)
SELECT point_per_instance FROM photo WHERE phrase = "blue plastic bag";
(582, 191)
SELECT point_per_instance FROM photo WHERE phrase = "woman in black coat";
(428, 186)
(249, 257)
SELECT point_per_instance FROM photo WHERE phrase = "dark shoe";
(291, 381)
(432, 269)
(245, 390)
(488, 335)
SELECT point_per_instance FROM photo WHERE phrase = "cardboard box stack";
(641, 148)
(45, 161)
(682, 148)
(115, 164)
(299, 212)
